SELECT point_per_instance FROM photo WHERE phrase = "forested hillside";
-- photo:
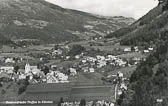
(147, 30)
(149, 83)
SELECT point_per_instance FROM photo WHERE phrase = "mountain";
(38, 19)
(146, 30)
(149, 83)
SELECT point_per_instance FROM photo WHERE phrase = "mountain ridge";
(38, 19)
(146, 30)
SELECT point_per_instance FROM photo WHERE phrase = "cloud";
(128, 8)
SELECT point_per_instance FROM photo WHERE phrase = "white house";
(120, 74)
(127, 50)
(91, 70)
(9, 60)
(22, 76)
(62, 77)
(84, 61)
(123, 86)
(73, 71)
(159, 100)
(120, 92)
(111, 57)
(136, 49)
(150, 49)
(77, 57)
(51, 79)
(6, 68)
(100, 57)
(101, 64)
(146, 51)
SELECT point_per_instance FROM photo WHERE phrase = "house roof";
(4, 75)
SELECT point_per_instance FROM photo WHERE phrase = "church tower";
(27, 68)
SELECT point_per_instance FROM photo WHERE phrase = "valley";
(54, 56)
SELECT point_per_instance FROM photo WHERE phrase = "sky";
(127, 8)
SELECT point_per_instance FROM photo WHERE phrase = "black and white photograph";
(83, 52)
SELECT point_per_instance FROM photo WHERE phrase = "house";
(120, 92)
(120, 74)
(9, 60)
(101, 64)
(120, 62)
(62, 77)
(68, 57)
(51, 79)
(85, 69)
(73, 71)
(53, 66)
(127, 50)
(77, 57)
(91, 70)
(136, 49)
(123, 86)
(10, 72)
(100, 57)
(5, 75)
(112, 104)
(35, 71)
(84, 61)
(159, 100)
(22, 76)
(6, 68)
(146, 51)
(150, 49)
(111, 57)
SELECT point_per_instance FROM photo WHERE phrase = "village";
(69, 64)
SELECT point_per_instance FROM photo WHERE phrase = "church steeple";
(27, 68)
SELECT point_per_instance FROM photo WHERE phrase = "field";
(131, 55)
(75, 93)
(8, 91)
(127, 71)
(92, 93)
(89, 79)
(88, 86)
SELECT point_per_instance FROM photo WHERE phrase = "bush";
(1, 85)
(3, 92)
(22, 89)
(76, 50)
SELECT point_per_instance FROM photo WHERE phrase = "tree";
(1, 85)
(94, 103)
(61, 101)
(45, 70)
(22, 85)
(56, 47)
(16, 68)
(76, 49)
(82, 102)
